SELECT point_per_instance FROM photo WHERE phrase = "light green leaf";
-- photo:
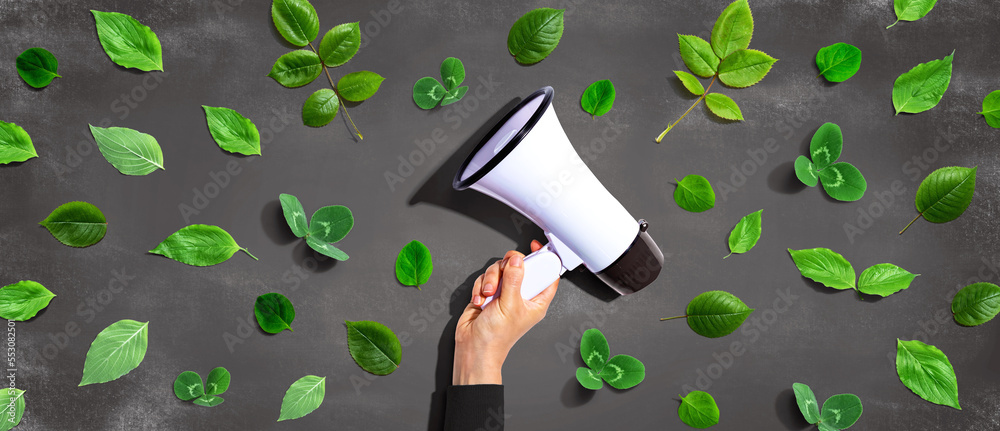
(598, 98)
(15, 144)
(623, 372)
(841, 411)
(589, 379)
(745, 67)
(746, 233)
(326, 249)
(694, 193)
(188, 386)
(838, 62)
(975, 304)
(11, 398)
(199, 245)
(716, 313)
(691, 83)
(843, 182)
(911, 10)
(340, 44)
(723, 106)
(208, 400)
(698, 55)
(923, 86)
(296, 20)
(331, 223)
(232, 131)
(991, 110)
(295, 215)
(358, 86)
(76, 224)
(807, 402)
(824, 266)
(320, 108)
(427, 92)
(452, 73)
(130, 151)
(274, 312)
(806, 171)
(535, 35)
(454, 95)
(218, 381)
(733, 29)
(927, 372)
(414, 264)
(127, 42)
(118, 349)
(37, 67)
(304, 396)
(374, 347)
(23, 300)
(595, 350)
(296, 68)
(698, 410)
(945, 194)
(884, 279)
(826, 145)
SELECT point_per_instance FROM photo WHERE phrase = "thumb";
(512, 275)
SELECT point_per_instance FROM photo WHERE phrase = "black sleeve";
(474, 407)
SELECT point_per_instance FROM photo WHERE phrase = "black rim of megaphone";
(459, 183)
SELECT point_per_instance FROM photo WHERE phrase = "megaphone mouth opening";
(505, 144)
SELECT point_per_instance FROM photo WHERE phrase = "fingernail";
(516, 261)
(488, 289)
(477, 300)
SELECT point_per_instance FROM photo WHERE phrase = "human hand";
(484, 336)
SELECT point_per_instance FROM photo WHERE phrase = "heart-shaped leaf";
(976, 304)
(296, 20)
(698, 410)
(927, 372)
(188, 386)
(535, 35)
(843, 182)
(427, 92)
(320, 108)
(374, 347)
(723, 106)
(199, 245)
(127, 42)
(414, 264)
(232, 131)
(129, 151)
(745, 67)
(218, 381)
(884, 279)
(806, 171)
(37, 67)
(826, 145)
(838, 62)
(358, 86)
(304, 396)
(15, 144)
(733, 29)
(824, 266)
(746, 233)
(594, 349)
(23, 300)
(623, 372)
(841, 411)
(690, 82)
(807, 402)
(296, 68)
(694, 193)
(118, 349)
(698, 56)
(598, 98)
(274, 312)
(716, 313)
(340, 44)
(295, 215)
(76, 224)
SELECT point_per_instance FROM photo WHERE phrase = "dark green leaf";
(733, 29)
(427, 92)
(623, 372)
(807, 402)
(716, 313)
(838, 62)
(841, 411)
(452, 73)
(188, 386)
(745, 67)
(698, 410)
(304, 396)
(340, 44)
(130, 151)
(723, 106)
(296, 68)
(927, 372)
(806, 171)
(598, 98)
(37, 67)
(589, 379)
(325, 249)
(218, 381)
(824, 266)
(911, 10)
(843, 182)
(118, 349)
(127, 42)
(320, 108)
(694, 193)
(884, 279)
(923, 86)
(991, 110)
(691, 83)
(76, 224)
(975, 304)
(274, 312)
(414, 265)
(208, 400)
(535, 35)
(296, 20)
(15, 144)
(232, 131)
(454, 95)
(826, 145)
(358, 86)
(945, 194)
(11, 408)
(295, 215)
(698, 55)
(23, 300)
(595, 350)
(331, 223)
(199, 245)
(746, 233)
(374, 347)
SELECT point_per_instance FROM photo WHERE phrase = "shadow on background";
(783, 180)
(788, 411)
(272, 220)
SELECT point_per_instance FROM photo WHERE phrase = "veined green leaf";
(199, 245)
(304, 396)
(745, 67)
(691, 83)
(130, 151)
(11, 408)
(208, 400)
(698, 410)
(807, 402)
(976, 304)
(698, 55)
(374, 347)
(232, 131)
(535, 35)
(340, 44)
(274, 312)
(623, 372)
(37, 67)
(806, 171)
(694, 193)
(595, 350)
(427, 92)
(296, 68)
(838, 62)
(296, 20)
(589, 379)
(746, 233)
(331, 223)
(911, 10)
(452, 73)
(824, 266)
(414, 264)
(359, 86)
(723, 106)
(927, 372)
(826, 145)
(326, 249)
(843, 182)
(598, 98)
(76, 224)
(923, 86)
(295, 215)
(188, 386)
(118, 349)
(23, 300)
(127, 42)
(716, 313)
(455, 95)
(841, 411)
(945, 194)
(320, 108)
(991, 110)
(884, 279)
(218, 381)
(733, 29)
(15, 144)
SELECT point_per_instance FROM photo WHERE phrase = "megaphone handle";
(541, 268)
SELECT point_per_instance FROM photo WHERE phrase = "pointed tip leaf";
(694, 193)
(884, 279)
(320, 108)
(745, 67)
(15, 144)
(374, 347)
(824, 266)
(598, 98)
(274, 312)
(698, 410)
(535, 35)
(130, 151)
(912, 10)
(302, 397)
(232, 131)
(23, 300)
(340, 44)
(838, 62)
(690, 82)
(198, 245)
(296, 20)
(923, 86)
(116, 351)
(76, 224)
(976, 304)
(733, 29)
(698, 55)
(716, 313)
(296, 68)
(359, 86)
(128, 42)
(11, 398)
(927, 372)
(723, 106)
(746, 233)
(946, 193)
(37, 67)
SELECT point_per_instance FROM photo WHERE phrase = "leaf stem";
(248, 253)
(730, 254)
(340, 99)
(911, 222)
(696, 102)
(890, 25)
(672, 318)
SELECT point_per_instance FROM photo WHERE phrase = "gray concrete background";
(218, 53)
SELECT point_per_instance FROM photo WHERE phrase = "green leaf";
(23, 300)
(694, 193)
(218, 381)
(723, 106)
(843, 182)
(358, 86)
(76, 224)
(733, 29)
(199, 245)
(295, 215)
(595, 350)
(991, 110)
(838, 62)
(296, 20)
(806, 171)
(15, 144)
(331, 223)
(911, 10)
(598, 98)
(691, 83)
(589, 379)
(340, 44)
(698, 410)
(326, 249)
(274, 312)
(130, 151)
(535, 35)
(414, 264)
(923, 86)
(296, 68)
(698, 55)
(232, 131)
(841, 411)
(824, 266)
(623, 372)
(927, 372)
(746, 233)
(807, 402)
(945, 194)
(188, 386)
(11, 398)
(118, 349)
(826, 145)
(374, 347)
(884, 279)
(824, 427)
(745, 67)
(427, 92)
(37, 67)
(208, 400)
(716, 313)
(304, 396)
(454, 95)
(452, 73)
(127, 42)
(975, 304)
(320, 108)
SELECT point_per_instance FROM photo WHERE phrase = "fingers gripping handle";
(541, 268)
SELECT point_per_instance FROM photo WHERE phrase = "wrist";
(477, 366)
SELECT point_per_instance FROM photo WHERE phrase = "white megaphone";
(527, 162)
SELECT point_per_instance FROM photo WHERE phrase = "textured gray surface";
(218, 55)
